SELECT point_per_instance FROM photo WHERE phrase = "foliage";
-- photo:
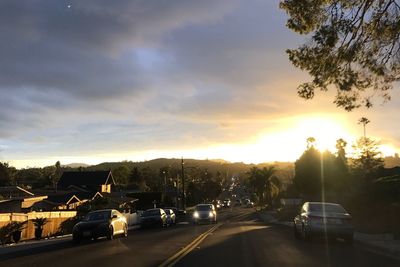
(355, 46)
(367, 157)
(40, 222)
(202, 186)
(264, 183)
(5, 233)
(121, 175)
(18, 226)
(387, 189)
(56, 175)
(6, 174)
(322, 174)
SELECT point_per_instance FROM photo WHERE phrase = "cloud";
(105, 76)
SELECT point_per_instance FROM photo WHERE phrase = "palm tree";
(272, 184)
(39, 223)
(264, 183)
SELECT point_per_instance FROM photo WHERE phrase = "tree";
(56, 175)
(308, 174)
(354, 46)
(364, 121)
(341, 154)
(322, 175)
(121, 175)
(6, 174)
(137, 179)
(367, 157)
(310, 142)
(264, 183)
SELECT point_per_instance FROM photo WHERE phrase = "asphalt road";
(239, 239)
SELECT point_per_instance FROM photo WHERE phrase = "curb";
(391, 253)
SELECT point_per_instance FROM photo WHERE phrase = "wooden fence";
(59, 222)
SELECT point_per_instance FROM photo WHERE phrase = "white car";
(205, 213)
(321, 219)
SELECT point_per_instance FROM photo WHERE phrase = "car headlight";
(195, 214)
(211, 214)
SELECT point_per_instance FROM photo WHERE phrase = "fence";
(58, 222)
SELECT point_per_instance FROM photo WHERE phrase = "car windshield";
(319, 207)
(203, 207)
(98, 216)
(151, 213)
(167, 211)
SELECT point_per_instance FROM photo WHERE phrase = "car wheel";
(296, 233)
(304, 235)
(125, 230)
(110, 234)
(76, 239)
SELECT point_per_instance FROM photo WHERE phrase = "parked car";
(320, 219)
(226, 203)
(249, 203)
(218, 204)
(238, 202)
(171, 216)
(153, 217)
(205, 213)
(102, 223)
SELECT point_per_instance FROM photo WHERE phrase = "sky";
(96, 80)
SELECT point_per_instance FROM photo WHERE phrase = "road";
(239, 239)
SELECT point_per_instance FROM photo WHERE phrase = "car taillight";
(315, 219)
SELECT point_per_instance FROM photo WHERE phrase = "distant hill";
(76, 165)
(284, 169)
(391, 162)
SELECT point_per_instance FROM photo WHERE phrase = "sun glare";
(288, 142)
(325, 131)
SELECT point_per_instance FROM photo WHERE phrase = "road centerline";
(171, 261)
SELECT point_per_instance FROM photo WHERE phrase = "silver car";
(205, 213)
(323, 219)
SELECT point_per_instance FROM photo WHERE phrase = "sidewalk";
(382, 243)
(33, 244)
(36, 244)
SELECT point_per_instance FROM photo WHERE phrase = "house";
(17, 199)
(87, 181)
(65, 200)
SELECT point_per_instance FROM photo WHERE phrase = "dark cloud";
(137, 74)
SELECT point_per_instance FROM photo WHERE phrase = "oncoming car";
(323, 219)
(102, 223)
(205, 213)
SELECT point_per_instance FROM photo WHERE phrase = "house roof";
(67, 197)
(14, 191)
(85, 178)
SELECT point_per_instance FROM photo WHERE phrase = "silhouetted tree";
(367, 157)
(121, 175)
(321, 175)
(354, 46)
(6, 174)
(56, 175)
(264, 183)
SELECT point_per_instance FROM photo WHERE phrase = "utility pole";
(183, 185)
(165, 185)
